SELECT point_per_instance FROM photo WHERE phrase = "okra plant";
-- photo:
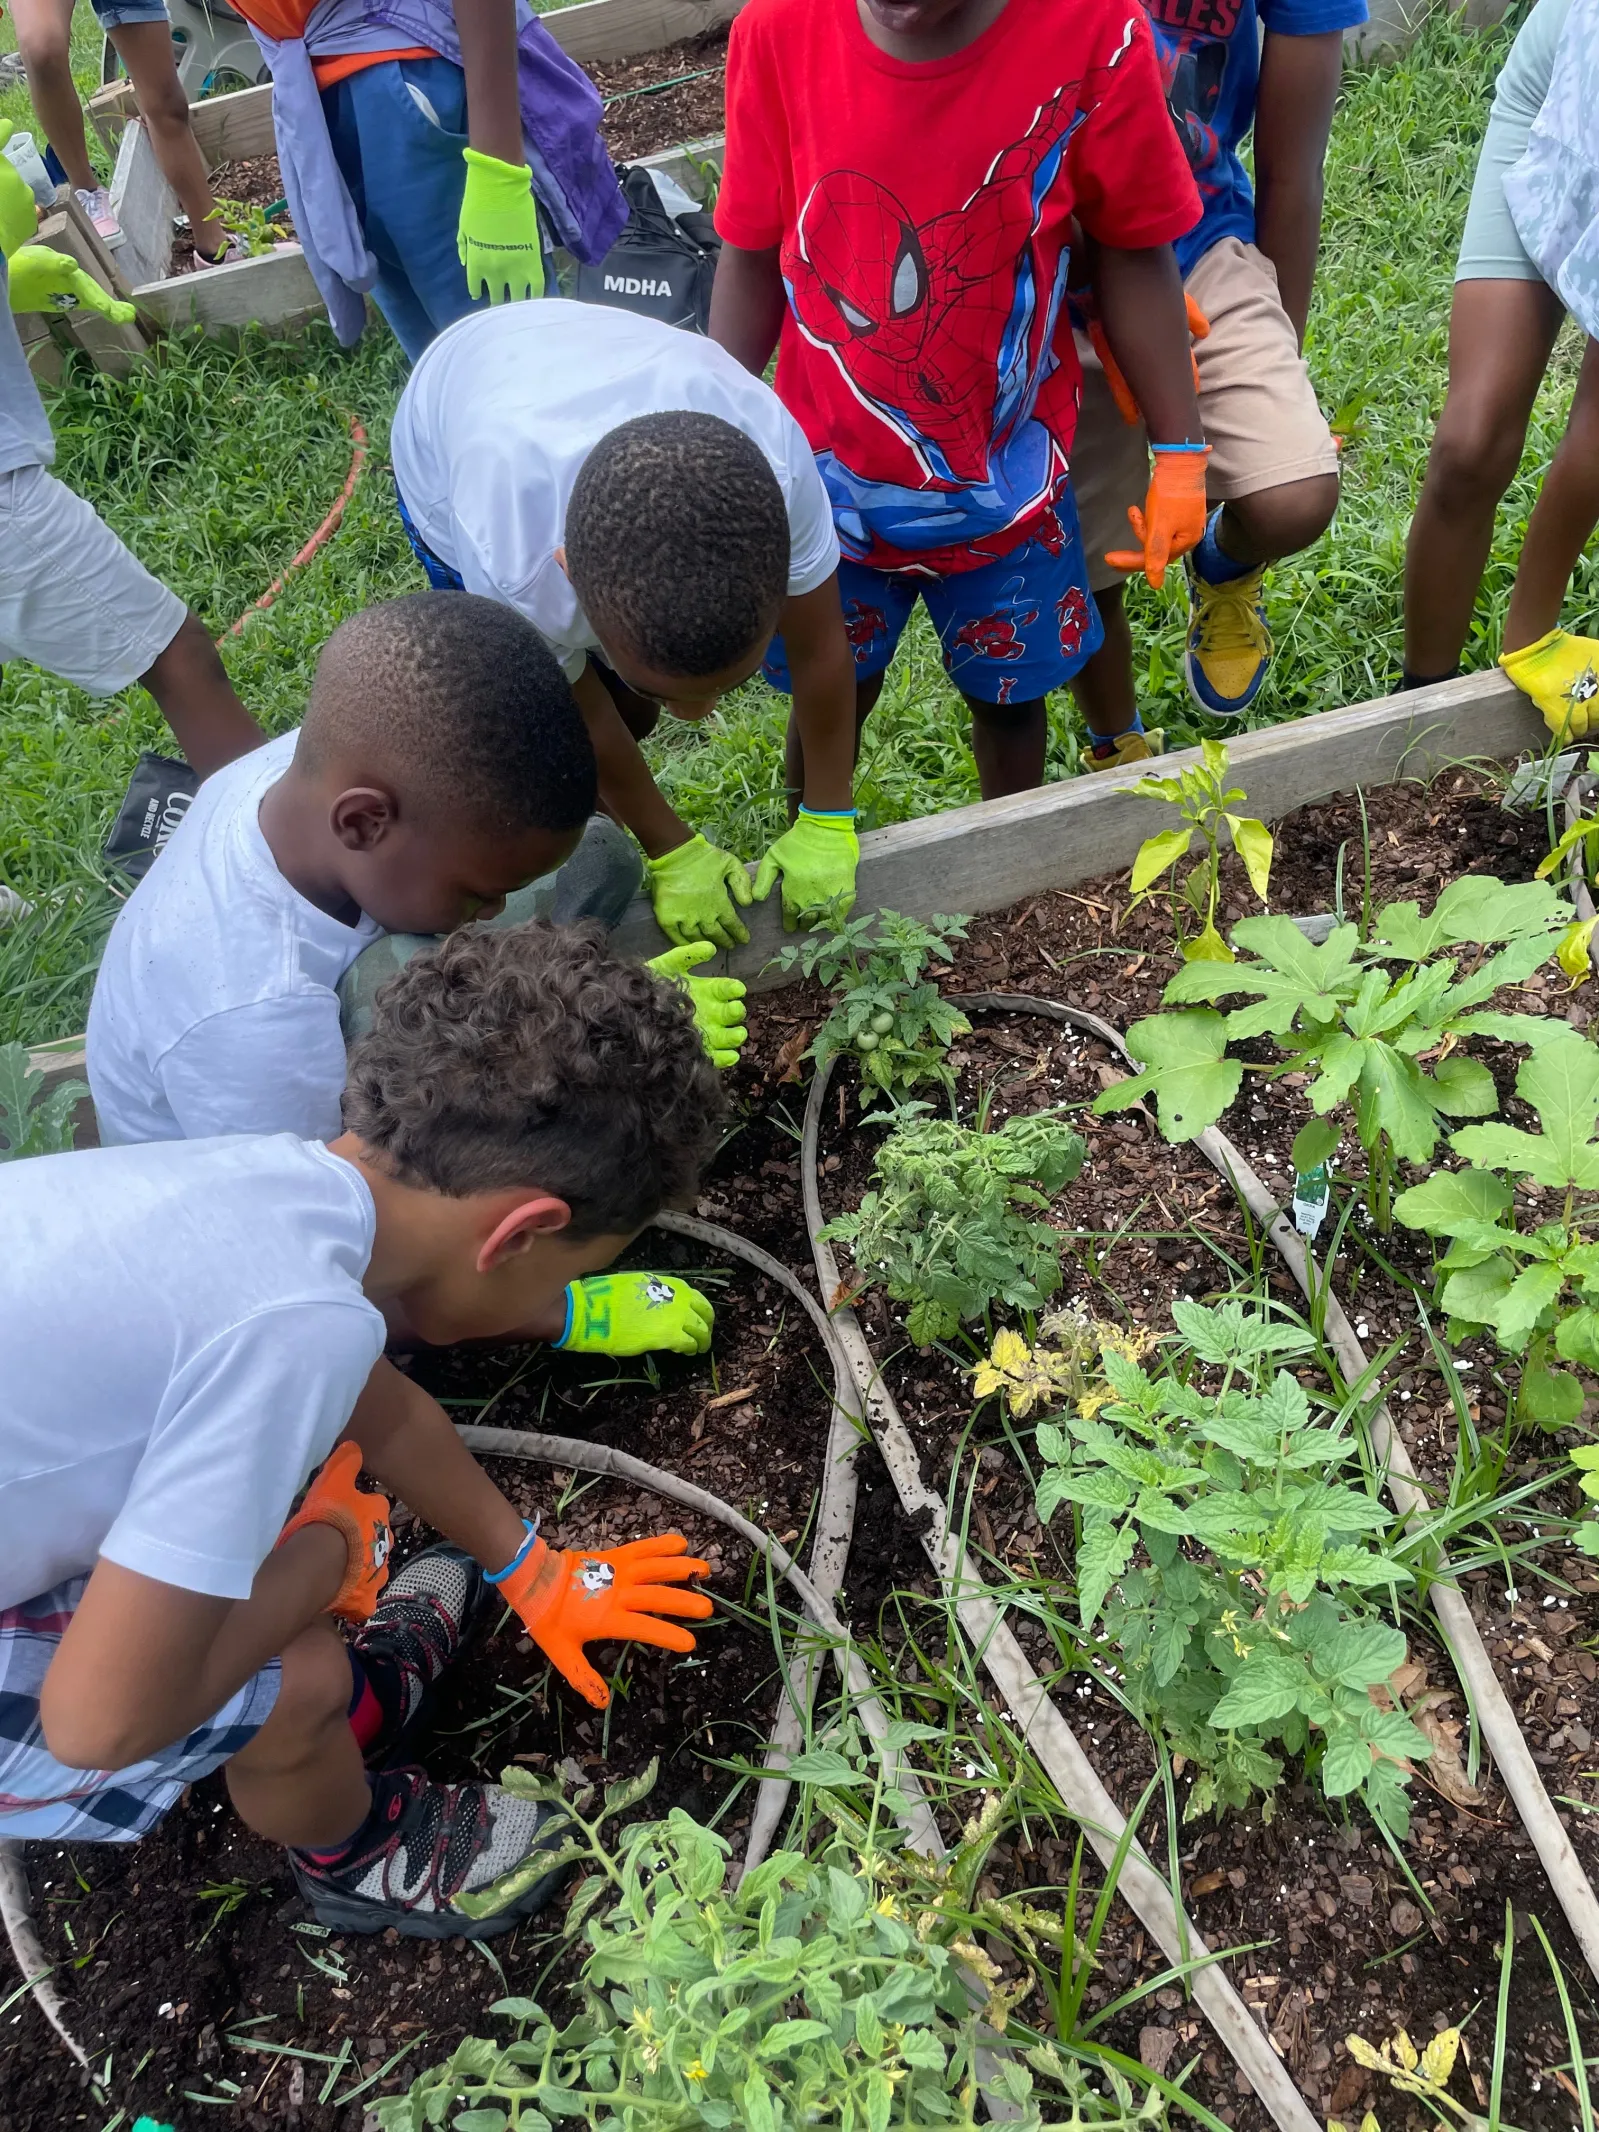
(945, 1227)
(892, 1018)
(1205, 801)
(31, 1122)
(1231, 1557)
(1534, 1286)
(1361, 1019)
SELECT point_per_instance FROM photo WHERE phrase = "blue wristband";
(1179, 447)
(829, 814)
(571, 1300)
(531, 1527)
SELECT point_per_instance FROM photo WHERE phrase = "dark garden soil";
(251, 181)
(662, 99)
(182, 1993)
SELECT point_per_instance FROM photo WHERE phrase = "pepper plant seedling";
(1205, 801)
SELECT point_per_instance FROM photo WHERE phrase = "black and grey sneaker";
(423, 1844)
(428, 1608)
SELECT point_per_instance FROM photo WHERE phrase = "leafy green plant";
(1205, 800)
(893, 1019)
(1225, 1551)
(1536, 1289)
(943, 1228)
(1358, 1028)
(260, 229)
(838, 1989)
(31, 1122)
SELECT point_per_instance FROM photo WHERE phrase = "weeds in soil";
(1204, 799)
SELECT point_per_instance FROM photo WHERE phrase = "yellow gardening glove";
(43, 280)
(1561, 675)
(635, 1314)
(816, 858)
(718, 1002)
(19, 217)
(696, 890)
(498, 234)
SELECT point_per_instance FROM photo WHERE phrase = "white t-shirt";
(183, 1337)
(502, 410)
(215, 1009)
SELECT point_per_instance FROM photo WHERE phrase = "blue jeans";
(406, 178)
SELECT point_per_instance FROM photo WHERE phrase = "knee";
(314, 1693)
(1475, 451)
(44, 54)
(165, 105)
(1284, 520)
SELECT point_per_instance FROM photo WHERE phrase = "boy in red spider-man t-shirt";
(904, 179)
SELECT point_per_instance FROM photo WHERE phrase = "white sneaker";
(96, 204)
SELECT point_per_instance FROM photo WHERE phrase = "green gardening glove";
(1561, 675)
(694, 888)
(44, 280)
(817, 859)
(718, 1002)
(498, 234)
(633, 1313)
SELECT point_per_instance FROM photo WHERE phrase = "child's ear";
(362, 817)
(560, 557)
(521, 1228)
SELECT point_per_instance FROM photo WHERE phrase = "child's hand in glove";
(1120, 391)
(695, 890)
(362, 1517)
(1173, 518)
(1561, 675)
(718, 1002)
(568, 1600)
(817, 858)
(45, 280)
(497, 237)
(635, 1314)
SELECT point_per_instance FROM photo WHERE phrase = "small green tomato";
(882, 1023)
(866, 1041)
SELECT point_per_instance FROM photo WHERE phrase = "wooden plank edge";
(274, 291)
(620, 29)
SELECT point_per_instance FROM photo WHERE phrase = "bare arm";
(822, 672)
(409, 1442)
(143, 1663)
(747, 304)
(488, 60)
(1299, 79)
(626, 786)
(1141, 307)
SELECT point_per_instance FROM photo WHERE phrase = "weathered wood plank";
(616, 29)
(40, 347)
(981, 858)
(239, 124)
(275, 292)
(144, 203)
(110, 110)
(110, 347)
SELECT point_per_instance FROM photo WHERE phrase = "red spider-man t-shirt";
(923, 213)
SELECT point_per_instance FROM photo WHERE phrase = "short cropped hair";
(459, 702)
(677, 541)
(531, 1055)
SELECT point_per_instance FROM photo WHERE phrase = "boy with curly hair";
(190, 1329)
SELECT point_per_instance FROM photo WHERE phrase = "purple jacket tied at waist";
(579, 199)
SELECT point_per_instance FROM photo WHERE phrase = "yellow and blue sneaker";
(1229, 646)
(1123, 749)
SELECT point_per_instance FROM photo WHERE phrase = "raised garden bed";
(1343, 1938)
(659, 100)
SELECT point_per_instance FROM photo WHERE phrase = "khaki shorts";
(1256, 401)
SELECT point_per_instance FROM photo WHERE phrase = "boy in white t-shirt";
(188, 1329)
(441, 766)
(657, 514)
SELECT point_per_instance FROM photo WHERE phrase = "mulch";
(254, 181)
(1338, 1937)
(643, 115)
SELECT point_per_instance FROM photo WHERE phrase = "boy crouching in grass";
(442, 766)
(190, 1328)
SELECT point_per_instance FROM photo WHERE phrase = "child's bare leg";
(301, 1780)
(1563, 519)
(1103, 685)
(44, 39)
(866, 695)
(1500, 337)
(191, 685)
(145, 49)
(1009, 741)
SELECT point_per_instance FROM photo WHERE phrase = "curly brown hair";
(530, 1055)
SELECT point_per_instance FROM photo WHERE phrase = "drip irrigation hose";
(16, 1914)
(1495, 1717)
(324, 532)
(835, 1523)
(1047, 1733)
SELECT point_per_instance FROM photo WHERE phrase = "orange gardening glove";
(363, 1518)
(1173, 518)
(568, 1600)
(1120, 391)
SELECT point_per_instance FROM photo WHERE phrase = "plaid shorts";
(41, 1798)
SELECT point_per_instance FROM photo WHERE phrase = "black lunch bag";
(661, 266)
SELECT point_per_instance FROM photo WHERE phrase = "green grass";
(214, 464)
(87, 43)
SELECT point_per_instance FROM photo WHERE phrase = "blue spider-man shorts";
(439, 574)
(1011, 631)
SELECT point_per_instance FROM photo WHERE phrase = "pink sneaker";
(96, 204)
